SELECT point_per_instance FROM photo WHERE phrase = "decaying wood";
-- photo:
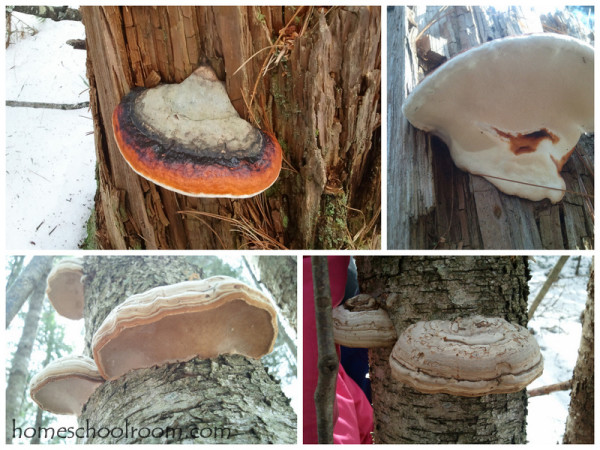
(321, 100)
(431, 203)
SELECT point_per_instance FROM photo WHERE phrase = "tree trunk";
(434, 205)
(321, 100)
(229, 399)
(31, 277)
(580, 422)
(16, 385)
(280, 279)
(411, 289)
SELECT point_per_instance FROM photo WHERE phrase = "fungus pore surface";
(65, 289)
(64, 385)
(469, 356)
(511, 110)
(189, 138)
(167, 324)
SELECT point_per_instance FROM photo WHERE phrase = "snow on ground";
(557, 328)
(50, 158)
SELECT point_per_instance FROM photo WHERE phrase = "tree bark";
(434, 205)
(580, 422)
(328, 361)
(281, 279)
(32, 276)
(16, 385)
(411, 289)
(321, 101)
(229, 399)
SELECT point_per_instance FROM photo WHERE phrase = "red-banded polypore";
(168, 324)
(189, 138)
(65, 385)
(511, 110)
(470, 356)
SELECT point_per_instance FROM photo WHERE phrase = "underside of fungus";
(359, 323)
(511, 110)
(167, 324)
(64, 385)
(189, 138)
(65, 289)
(469, 356)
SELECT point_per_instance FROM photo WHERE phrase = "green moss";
(90, 242)
(332, 231)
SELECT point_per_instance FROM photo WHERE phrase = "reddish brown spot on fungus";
(527, 143)
(559, 163)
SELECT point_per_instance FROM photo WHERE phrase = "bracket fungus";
(65, 289)
(469, 356)
(65, 385)
(360, 323)
(175, 323)
(189, 138)
(511, 110)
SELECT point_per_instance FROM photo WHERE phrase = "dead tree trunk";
(431, 203)
(321, 100)
(412, 289)
(580, 422)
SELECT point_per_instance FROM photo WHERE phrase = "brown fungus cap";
(469, 356)
(189, 138)
(167, 324)
(65, 385)
(511, 109)
(359, 323)
(65, 289)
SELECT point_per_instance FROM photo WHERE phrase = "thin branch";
(544, 390)
(552, 277)
(328, 360)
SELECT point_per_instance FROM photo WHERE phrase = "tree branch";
(328, 359)
(552, 277)
(543, 390)
(55, 13)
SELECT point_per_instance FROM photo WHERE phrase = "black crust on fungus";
(173, 152)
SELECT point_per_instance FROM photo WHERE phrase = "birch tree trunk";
(321, 100)
(16, 385)
(411, 289)
(228, 399)
(580, 422)
(431, 203)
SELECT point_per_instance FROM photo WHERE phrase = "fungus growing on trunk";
(167, 324)
(64, 288)
(65, 385)
(360, 323)
(511, 109)
(188, 138)
(469, 356)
